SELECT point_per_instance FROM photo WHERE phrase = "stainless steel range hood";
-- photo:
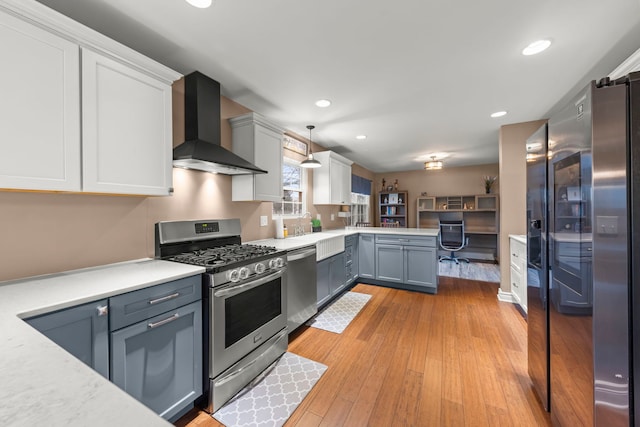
(201, 149)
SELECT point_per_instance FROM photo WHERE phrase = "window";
(359, 208)
(294, 186)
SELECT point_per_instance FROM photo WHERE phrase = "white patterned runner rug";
(337, 316)
(270, 401)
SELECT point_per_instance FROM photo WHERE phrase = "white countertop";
(40, 383)
(295, 242)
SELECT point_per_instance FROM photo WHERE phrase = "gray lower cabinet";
(419, 270)
(407, 260)
(351, 258)
(83, 331)
(366, 256)
(156, 345)
(159, 361)
(389, 263)
(330, 277)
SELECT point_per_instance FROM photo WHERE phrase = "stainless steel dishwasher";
(301, 284)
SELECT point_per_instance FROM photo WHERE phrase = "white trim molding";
(505, 296)
(629, 65)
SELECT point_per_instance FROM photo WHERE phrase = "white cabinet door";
(332, 181)
(126, 129)
(40, 109)
(258, 141)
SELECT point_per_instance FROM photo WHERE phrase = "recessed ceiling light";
(361, 137)
(202, 4)
(498, 114)
(536, 47)
(323, 103)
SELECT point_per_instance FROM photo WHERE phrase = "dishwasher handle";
(296, 255)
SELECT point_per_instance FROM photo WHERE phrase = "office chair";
(452, 239)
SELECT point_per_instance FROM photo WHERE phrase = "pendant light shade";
(433, 164)
(310, 162)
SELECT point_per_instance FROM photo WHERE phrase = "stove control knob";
(279, 262)
(259, 268)
(233, 275)
(244, 273)
(272, 263)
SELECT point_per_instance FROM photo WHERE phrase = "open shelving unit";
(481, 221)
(392, 207)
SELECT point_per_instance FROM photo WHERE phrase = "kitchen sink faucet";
(299, 229)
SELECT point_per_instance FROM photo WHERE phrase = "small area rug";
(337, 316)
(270, 399)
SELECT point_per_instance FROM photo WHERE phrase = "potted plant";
(316, 225)
(488, 182)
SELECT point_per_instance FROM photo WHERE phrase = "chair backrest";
(451, 235)
(395, 224)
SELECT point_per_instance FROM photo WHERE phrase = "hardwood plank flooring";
(458, 358)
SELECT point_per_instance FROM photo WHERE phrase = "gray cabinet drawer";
(405, 240)
(133, 307)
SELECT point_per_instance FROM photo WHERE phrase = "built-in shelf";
(392, 208)
(480, 216)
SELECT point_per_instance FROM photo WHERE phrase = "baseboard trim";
(505, 296)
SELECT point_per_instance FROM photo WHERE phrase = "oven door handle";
(234, 290)
(237, 372)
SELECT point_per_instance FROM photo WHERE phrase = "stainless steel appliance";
(592, 264)
(537, 268)
(244, 301)
(302, 288)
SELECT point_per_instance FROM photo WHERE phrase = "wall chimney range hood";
(201, 149)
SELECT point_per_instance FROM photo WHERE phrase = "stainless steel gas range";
(244, 301)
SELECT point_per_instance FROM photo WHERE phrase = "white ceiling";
(415, 76)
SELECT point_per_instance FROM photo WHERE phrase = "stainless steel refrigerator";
(582, 261)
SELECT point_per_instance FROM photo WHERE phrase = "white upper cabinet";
(79, 111)
(126, 129)
(259, 141)
(332, 181)
(39, 110)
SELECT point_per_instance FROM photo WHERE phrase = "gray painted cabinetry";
(156, 355)
(366, 256)
(351, 258)
(331, 277)
(409, 261)
(82, 330)
(148, 342)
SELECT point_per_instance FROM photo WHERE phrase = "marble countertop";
(42, 383)
(296, 242)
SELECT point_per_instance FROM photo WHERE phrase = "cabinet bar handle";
(163, 322)
(163, 299)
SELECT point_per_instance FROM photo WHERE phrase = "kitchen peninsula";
(404, 258)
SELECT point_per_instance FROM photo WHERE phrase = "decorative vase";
(487, 190)
(316, 229)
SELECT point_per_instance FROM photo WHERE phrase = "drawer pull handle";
(163, 299)
(163, 322)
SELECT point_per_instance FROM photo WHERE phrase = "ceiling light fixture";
(310, 162)
(201, 4)
(433, 164)
(323, 103)
(361, 137)
(499, 114)
(536, 47)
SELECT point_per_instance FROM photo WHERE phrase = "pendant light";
(433, 164)
(310, 162)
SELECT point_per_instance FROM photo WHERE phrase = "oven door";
(243, 316)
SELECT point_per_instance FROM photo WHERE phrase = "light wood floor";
(457, 358)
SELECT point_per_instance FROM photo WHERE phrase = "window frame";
(303, 189)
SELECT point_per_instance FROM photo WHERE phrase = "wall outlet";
(333, 217)
(264, 221)
(319, 216)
